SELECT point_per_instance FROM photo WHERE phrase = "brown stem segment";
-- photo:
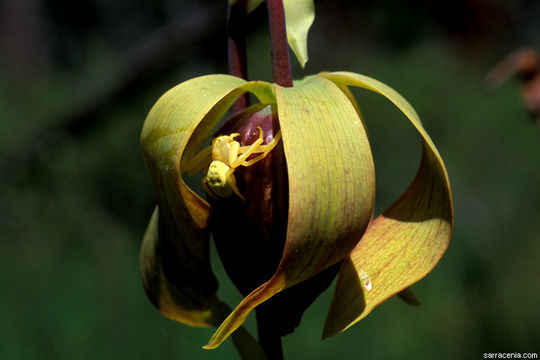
(281, 63)
(236, 43)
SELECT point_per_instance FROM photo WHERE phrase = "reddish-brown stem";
(281, 63)
(269, 335)
(236, 42)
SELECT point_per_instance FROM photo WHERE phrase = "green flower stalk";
(291, 193)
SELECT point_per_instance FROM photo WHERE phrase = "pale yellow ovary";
(226, 155)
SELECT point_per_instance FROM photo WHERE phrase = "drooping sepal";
(175, 264)
(174, 260)
(250, 233)
(403, 244)
(330, 198)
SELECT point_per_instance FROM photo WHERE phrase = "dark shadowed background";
(77, 80)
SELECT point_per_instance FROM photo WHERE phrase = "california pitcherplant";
(291, 193)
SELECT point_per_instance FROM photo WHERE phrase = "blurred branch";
(198, 25)
(22, 45)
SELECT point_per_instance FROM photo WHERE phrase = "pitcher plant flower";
(290, 184)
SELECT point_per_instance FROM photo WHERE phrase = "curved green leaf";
(403, 244)
(331, 188)
(299, 16)
(175, 264)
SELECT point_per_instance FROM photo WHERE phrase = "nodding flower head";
(290, 193)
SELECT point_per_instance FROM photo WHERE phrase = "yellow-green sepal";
(299, 16)
(403, 244)
(331, 188)
(175, 264)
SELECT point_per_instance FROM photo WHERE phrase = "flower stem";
(236, 45)
(269, 338)
(281, 63)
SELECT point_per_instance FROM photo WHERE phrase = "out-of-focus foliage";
(75, 197)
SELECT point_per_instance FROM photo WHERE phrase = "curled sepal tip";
(178, 299)
(403, 244)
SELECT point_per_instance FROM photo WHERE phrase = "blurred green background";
(76, 82)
